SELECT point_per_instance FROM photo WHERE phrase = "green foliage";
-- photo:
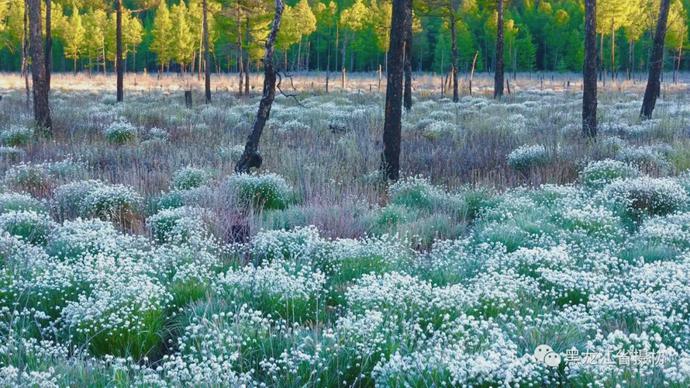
(268, 191)
(30, 226)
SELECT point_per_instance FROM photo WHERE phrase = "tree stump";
(188, 98)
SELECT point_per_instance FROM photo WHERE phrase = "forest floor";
(513, 251)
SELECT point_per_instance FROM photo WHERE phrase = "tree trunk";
(38, 66)
(630, 59)
(118, 51)
(676, 69)
(246, 61)
(251, 157)
(25, 53)
(474, 64)
(454, 53)
(655, 63)
(390, 159)
(613, 51)
(498, 77)
(49, 43)
(589, 76)
(207, 60)
(407, 91)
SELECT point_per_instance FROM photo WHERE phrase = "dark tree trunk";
(390, 160)
(251, 157)
(25, 53)
(246, 61)
(474, 65)
(656, 62)
(613, 52)
(454, 54)
(498, 77)
(38, 66)
(240, 56)
(118, 50)
(49, 43)
(407, 92)
(207, 60)
(589, 76)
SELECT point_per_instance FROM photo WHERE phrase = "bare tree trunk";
(498, 77)
(240, 56)
(38, 66)
(207, 60)
(454, 53)
(474, 64)
(589, 96)
(676, 69)
(630, 59)
(118, 51)
(390, 159)
(251, 157)
(613, 51)
(49, 43)
(246, 61)
(656, 62)
(25, 53)
(407, 90)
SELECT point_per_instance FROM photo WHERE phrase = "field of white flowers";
(514, 253)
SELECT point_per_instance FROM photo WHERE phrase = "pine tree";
(38, 67)
(95, 22)
(390, 158)
(589, 96)
(653, 88)
(162, 35)
(182, 39)
(74, 35)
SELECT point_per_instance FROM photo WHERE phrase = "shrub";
(527, 157)
(75, 238)
(176, 224)
(68, 199)
(269, 191)
(649, 157)
(121, 132)
(600, 173)
(17, 201)
(28, 225)
(16, 136)
(11, 154)
(158, 134)
(645, 195)
(189, 178)
(93, 198)
(276, 288)
(415, 192)
(113, 203)
(30, 178)
(122, 317)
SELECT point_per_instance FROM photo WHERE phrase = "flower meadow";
(132, 255)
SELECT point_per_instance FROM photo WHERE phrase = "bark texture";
(498, 76)
(49, 42)
(589, 79)
(407, 96)
(251, 157)
(207, 60)
(118, 51)
(656, 62)
(390, 159)
(38, 66)
(454, 53)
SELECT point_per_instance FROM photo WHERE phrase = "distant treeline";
(321, 35)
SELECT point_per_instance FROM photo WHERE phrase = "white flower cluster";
(526, 157)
